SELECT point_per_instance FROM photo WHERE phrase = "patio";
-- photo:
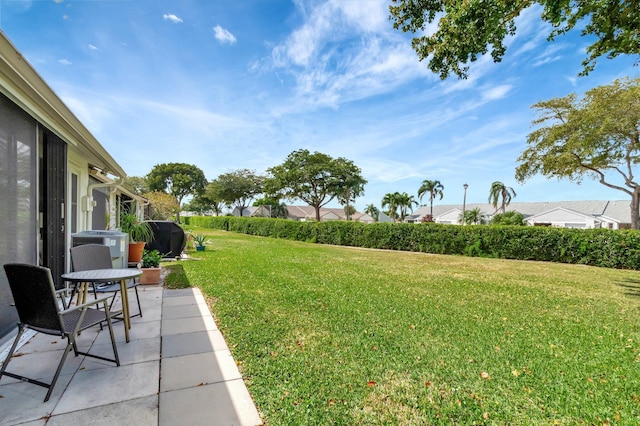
(177, 369)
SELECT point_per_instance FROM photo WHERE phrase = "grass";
(335, 335)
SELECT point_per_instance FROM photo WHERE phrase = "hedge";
(598, 247)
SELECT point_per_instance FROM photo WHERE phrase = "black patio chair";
(97, 256)
(35, 298)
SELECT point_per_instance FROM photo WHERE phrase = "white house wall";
(450, 217)
(564, 219)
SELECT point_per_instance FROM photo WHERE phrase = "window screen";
(18, 199)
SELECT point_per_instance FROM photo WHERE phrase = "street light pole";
(464, 204)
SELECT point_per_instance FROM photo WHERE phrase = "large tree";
(390, 201)
(597, 136)
(468, 29)
(277, 209)
(163, 206)
(405, 204)
(372, 211)
(352, 187)
(177, 179)
(500, 191)
(473, 216)
(238, 188)
(315, 178)
(432, 187)
(136, 184)
(206, 202)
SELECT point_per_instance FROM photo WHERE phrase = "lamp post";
(464, 204)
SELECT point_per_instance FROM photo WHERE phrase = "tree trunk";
(635, 208)
(317, 212)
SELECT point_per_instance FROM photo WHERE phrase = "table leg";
(124, 294)
(83, 292)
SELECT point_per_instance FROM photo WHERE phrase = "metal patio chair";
(97, 256)
(38, 309)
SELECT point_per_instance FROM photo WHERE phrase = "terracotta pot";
(150, 276)
(135, 252)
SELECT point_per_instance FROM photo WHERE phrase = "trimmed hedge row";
(597, 247)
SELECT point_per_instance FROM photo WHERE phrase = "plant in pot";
(200, 240)
(139, 232)
(151, 267)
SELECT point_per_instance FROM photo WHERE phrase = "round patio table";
(84, 278)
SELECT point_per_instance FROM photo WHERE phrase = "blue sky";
(227, 85)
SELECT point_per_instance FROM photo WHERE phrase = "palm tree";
(433, 188)
(391, 201)
(500, 190)
(474, 217)
(372, 211)
(405, 202)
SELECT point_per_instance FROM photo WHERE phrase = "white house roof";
(618, 210)
(567, 214)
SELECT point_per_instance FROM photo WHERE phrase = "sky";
(227, 85)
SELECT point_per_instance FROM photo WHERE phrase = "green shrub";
(598, 247)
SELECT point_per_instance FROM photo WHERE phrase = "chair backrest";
(91, 256)
(34, 294)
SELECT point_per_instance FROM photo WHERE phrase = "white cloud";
(344, 52)
(546, 60)
(223, 35)
(497, 92)
(92, 47)
(171, 17)
(64, 61)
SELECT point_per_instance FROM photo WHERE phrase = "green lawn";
(335, 335)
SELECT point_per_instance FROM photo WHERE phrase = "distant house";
(362, 217)
(566, 214)
(57, 179)
(561, 217)
(304, 213)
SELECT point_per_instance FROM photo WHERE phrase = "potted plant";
(151, 267)
(139, 232)
(200, 240)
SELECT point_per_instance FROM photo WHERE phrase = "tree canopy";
(372, 211)
(137, 185)
(432, 187)
(315, 178)
(205, 202)
(508, 218)
(238, 188)
(177, 179)
(276, 207)
(473, 216)
(163, 206)
(500, 191)
(597, 136)
(468, 29)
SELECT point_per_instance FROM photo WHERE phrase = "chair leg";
(70, 344)
(113, 338)
(138, 299)
(21, 330)
(4, 372)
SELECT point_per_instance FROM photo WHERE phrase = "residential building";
(613, 214)
(56, 178)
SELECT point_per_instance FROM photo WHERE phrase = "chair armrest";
(84, 305)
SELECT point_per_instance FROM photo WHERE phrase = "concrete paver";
(177, 369)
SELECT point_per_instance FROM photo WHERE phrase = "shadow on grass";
(631, 287)
(176, 277)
